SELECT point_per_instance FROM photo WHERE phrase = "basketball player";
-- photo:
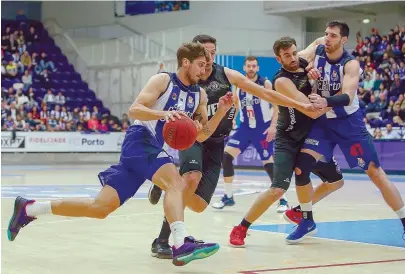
(258, 128)
(200, 165)
(342, 125)
(292, 128)
(163, 99)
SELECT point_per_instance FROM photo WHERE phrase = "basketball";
(180, 134)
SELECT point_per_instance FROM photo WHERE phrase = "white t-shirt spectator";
(393, 135)
(27, 79)
(60, 99)
(21, 100)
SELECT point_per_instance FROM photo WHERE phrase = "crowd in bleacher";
(382, 90)
(40, 89)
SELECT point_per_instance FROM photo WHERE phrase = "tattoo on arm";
(206, 130)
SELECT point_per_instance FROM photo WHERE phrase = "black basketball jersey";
(216, 86)
(291, 121)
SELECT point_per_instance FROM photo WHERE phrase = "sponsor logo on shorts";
(312, 142)
(360, 162)
(287, 180)
(265, 153)
(194, 162)
(336, 165)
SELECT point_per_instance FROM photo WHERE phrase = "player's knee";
(305, 164)
(227, 165)
(192, 178)
(275, 193)
(100, 210)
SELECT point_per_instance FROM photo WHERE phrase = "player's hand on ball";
(271, 133)
(318, 101)
(225, 102)
(173, 115)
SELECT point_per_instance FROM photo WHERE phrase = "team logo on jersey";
(190, 102)
(320, 69)
(174, 96)
(213, 86)
(334, 76)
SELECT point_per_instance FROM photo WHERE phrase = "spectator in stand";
(32, 36)
(46, 63)
(27, 80)
(9, 124)
(19, 123)
(22, 47)
(368, 83)
(373, 109)
(76, 115)
(65, 115)
(45, 114)
(56, 112)
(390, 134)
(52, 123)
(124, 119)
(377, 134)
(96, 112)
(81, 123)
(103, 126)
(26, 60)
(49, 98)
(45, 78)
(93, 124)
(5, 43)
(61, 126)
(31, 101)
(397, 87)
(41, 126)
(20, 15)
(21, 98)
(13, 43)
(85, 113)
(13, 111)
(30, 121)
(36, 115)
(11, 69)
(60, 99)
(401, 70)
(381, 90)
(124, 126)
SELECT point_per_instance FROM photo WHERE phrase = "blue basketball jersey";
(177, 97)
(254, 112)
(331, 80)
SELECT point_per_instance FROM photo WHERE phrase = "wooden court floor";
(358, 233)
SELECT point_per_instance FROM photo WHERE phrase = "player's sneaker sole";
(198, 254)
(311, 233)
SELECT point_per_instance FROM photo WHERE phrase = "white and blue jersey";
(255, 117)
(331, 80)
(142, 152)
(343, 126)
(254, 112)
(177, 97)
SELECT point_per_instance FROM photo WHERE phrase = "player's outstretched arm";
(309, 52)
(201, 115)
(287, 87)
(349, 89)
(140, 109)
(236, 78)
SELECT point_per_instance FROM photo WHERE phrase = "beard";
(251, 75)
(291, 66)
(190, 79)
(331, 49)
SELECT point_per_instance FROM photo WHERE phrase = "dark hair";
(343, 27)
(204, 38)
(251, 58)
(283, 43)
(191, 51)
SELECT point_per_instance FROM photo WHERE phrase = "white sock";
(228, 190)
(401, 213)
(306, 206)
(39, 208)
(178, 232)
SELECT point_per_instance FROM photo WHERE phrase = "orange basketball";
(180, 134)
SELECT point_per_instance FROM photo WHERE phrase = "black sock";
(307, 215)
(297, 208)
(245, 223)
(165, 231)
(403, 222)
(269, 167)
